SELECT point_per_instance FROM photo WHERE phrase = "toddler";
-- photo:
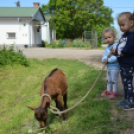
(112, 64)
(125, 53)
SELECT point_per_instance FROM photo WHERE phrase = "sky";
(117, 6)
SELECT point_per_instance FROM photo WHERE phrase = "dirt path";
(89, 57)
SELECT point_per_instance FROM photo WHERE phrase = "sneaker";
(121, 103)
(113, 95)
(105, 93)
(127, 106)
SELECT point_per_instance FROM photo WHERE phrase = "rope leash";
(56, 111)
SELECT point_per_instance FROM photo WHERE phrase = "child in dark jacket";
(125, 53)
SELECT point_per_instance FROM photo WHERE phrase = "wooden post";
(89, 43)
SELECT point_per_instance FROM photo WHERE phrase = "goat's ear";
(32, 108)
(47, 105)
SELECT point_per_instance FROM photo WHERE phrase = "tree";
(72, 17)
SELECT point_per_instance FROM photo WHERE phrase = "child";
(112, 65)
(125, 53)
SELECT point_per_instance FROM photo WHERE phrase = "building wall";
(53, 35)
(25, 30)
(48, 34)
(19, 27)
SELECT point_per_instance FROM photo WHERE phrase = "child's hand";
(113, 51)
(105, 61)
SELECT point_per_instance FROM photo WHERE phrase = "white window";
(11, 35)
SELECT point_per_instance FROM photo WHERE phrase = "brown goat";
(55, 85)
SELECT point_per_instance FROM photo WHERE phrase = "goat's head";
(40, 114)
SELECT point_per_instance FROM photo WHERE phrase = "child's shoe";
(113, 95)
(127, 106)
(106, 93)
(122, 102)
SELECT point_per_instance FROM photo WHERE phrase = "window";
(11, 35)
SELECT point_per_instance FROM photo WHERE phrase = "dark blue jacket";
(126, 49)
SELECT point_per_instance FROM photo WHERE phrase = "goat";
(55, 85)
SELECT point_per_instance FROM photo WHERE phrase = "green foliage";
(72, 17)
(43, 43)
(8, 56)
(20, 87)
(60, 44)
(52, 45)
(78, 43)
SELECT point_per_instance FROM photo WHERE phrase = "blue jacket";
(125, 49)
(112, 61)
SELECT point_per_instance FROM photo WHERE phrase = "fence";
(91, 37)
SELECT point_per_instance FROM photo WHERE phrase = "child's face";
(125, 24)
(109, 38)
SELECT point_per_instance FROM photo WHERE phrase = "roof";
(18, 11)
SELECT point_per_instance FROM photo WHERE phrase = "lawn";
(20, 87)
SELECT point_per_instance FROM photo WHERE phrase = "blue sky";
(117, 6)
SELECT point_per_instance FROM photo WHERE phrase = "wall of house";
(53, 35)
(19, 27)
(48, 34)
(26, 32)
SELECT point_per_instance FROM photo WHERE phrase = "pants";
(112, 80)
(127, 78)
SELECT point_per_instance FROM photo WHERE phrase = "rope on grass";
(56, 111)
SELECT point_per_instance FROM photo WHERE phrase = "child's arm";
(104, 57)
(112, 59)
(105, 61)
(128, 50)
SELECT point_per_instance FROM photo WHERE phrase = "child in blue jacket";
(125, 53)
(112, 65)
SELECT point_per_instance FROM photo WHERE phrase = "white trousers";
(112, 80)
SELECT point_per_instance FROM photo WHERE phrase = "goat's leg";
(65, 100)
(56, 102)
(60, 105)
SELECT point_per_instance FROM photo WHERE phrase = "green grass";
(20, 87)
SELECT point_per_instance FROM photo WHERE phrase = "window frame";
(9, 37)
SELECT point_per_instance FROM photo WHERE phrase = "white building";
(48, 34)
(21, 26)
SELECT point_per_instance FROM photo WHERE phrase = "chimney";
(18, 3)
(36, 4)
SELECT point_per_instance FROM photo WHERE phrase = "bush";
(44, 43)
(72, 43)
(10, 57)
(51, 45)
(60, 44)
